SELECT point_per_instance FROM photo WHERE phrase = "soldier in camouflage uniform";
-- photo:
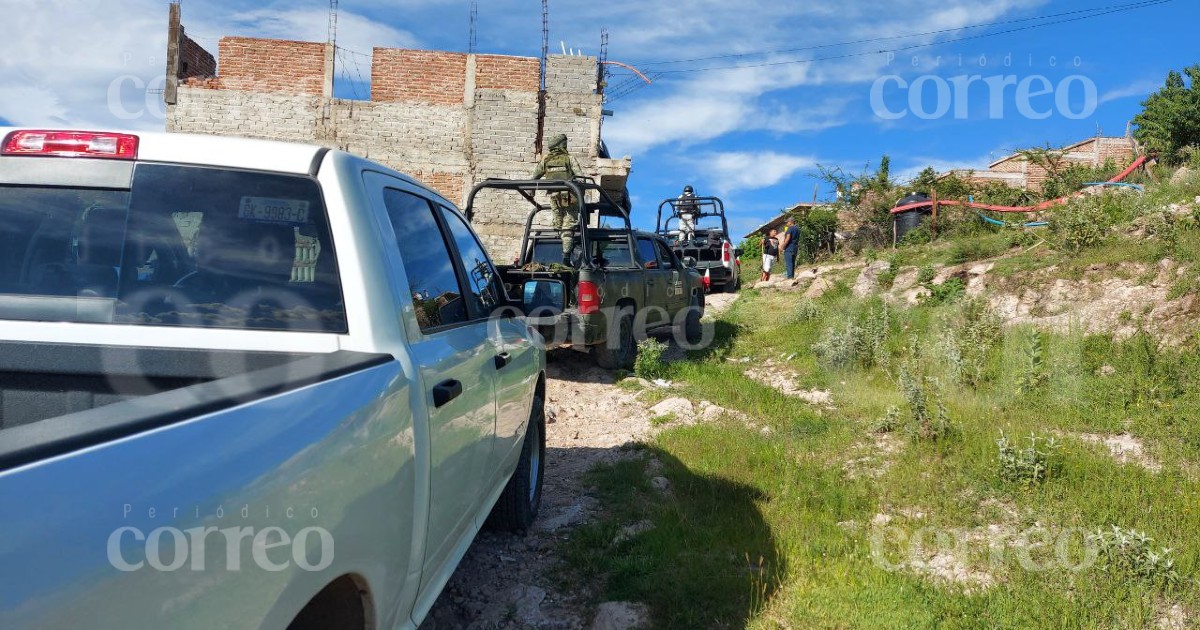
(560, 165)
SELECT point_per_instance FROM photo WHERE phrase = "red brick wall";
(194, 61)
(418, 76)
(272, 65)
(507, 73)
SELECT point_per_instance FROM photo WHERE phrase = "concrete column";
(327, 82)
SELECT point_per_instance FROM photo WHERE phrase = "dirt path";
(508, 581)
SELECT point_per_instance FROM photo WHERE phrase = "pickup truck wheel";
(733, 285)
(619, 353)
(522, 497)
(691, 325)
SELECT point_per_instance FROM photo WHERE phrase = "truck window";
(646, 253)
(436, 294)
(482, 292)
(612, 251)
(186, 246)
(664, 256)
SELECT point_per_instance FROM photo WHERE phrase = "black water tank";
(911, 220)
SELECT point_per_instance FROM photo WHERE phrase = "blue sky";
(753, 135)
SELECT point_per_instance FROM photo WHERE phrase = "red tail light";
(727, 252)
(589, 297)
(119, 146)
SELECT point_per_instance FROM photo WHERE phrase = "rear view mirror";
(689, 262)
(738, 252)
(543, 297)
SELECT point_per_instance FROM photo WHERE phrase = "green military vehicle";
(696, 228)
(619, 284)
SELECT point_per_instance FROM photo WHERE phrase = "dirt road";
(508, 581)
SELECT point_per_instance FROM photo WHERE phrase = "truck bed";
(60, 397)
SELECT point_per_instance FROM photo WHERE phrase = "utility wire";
(865, 53)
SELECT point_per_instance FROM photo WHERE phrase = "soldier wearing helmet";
(561, 165)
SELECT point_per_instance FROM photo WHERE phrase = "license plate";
(273, 210)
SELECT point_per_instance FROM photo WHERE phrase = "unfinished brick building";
(448, 119)
(1018, 172)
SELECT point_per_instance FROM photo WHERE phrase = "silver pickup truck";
(246, 384)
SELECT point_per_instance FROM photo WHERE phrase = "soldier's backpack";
(558, 166)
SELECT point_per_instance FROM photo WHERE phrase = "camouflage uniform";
(560, 165)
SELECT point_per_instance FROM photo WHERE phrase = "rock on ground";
(621, 616)
(681, 408)
(1125, 449)
(868, 279)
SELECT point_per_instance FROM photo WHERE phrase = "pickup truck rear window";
(186, 246)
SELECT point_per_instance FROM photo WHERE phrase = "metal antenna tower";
(472, 42)
(333, 17)
(541, 123)
(602, 68)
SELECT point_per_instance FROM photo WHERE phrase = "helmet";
(687, 189)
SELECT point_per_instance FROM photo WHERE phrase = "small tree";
(1170, 120)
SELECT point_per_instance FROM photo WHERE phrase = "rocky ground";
(508, 581)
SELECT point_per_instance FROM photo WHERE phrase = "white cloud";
(745, 170)
(1140, 89)
(312, 25)
(63, 58)
(77, 63)
(709, 104)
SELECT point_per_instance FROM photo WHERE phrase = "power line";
(865, 53)
(1130, 6)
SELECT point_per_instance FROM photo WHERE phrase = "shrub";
(806, 310)
(861, 341)
(1030, 465)
(649, 364)
(929, 419)
(887, 277)
(1078, 226)
(926, 274)
(1130, 554)
(920, 235)
(888, 422)
(969, 339)
(976, 249)
(944, 293)
(1033, 369)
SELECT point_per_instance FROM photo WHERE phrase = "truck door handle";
(502, 360)
(446, 391)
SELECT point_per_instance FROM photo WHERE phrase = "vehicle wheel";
(619, 354)
(691, 326)
(518, 504)
(733, 285)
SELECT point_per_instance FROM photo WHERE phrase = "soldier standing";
(561, 165)
(686, 205)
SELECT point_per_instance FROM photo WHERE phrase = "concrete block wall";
(447, 119)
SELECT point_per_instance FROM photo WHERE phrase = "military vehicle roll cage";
(705, 207)
(528, 188)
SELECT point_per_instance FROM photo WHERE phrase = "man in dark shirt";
(789, 243)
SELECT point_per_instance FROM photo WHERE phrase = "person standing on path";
(789, 245)
(559, 164)
(770, 253)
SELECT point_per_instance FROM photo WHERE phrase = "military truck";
(619, 284)
(717, 260)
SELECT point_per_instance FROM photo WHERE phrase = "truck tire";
(619, 354)
(733, 285)
(691, 325)
(518, 505)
